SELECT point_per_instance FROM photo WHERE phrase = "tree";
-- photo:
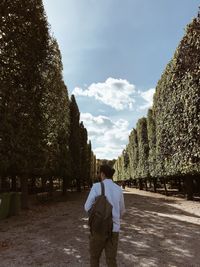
(84, 160)
(177, 111)
(24, 41)
(143, 148)
(89, 163)
(74, 142)
(151, 130)
(132, 149)
(93, 170)
(55, 105)
(167, 144)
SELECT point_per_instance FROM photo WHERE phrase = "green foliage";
(133, 153)
(89, 161)
(74, 142)
(167, 143)
(122, 168)
(55, 104)
(143, 149)
(84, 154)
(24, 41)
(93, 169)
(40, 134)
(177, 109)
(151, 131)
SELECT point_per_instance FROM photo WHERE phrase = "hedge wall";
(167, 143)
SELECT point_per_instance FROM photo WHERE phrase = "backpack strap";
(102, 189)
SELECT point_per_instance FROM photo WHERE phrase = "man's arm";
(122, 205)
(91, 199)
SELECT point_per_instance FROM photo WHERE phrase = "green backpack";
(100, 215)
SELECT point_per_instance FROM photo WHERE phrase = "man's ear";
(102, 175)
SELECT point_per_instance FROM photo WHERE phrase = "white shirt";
(114, 195)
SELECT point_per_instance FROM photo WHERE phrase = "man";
(115, 197)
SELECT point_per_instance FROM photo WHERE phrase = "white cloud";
(108, 152)
(108, 137)
(116, 93)
(148, 97)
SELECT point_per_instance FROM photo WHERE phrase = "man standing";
(115, 197)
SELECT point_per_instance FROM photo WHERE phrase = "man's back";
(114, 195)
(99, 242)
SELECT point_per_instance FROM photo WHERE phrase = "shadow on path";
(154, 233)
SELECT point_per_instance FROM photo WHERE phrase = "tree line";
(165, 145)
(41, 136)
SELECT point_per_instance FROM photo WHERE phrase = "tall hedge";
(132, 149)
(143, 149)
(39, 133)
(177, 108)
(122, 167)
(93, 169)
(167, 143)
(74, 142)
(55, 105)
(24, 41)
(118, 175)
(151, 131)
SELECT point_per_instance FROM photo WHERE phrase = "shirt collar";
(108, 179)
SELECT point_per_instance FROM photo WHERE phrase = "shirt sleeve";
(91, 199)
(122, 205)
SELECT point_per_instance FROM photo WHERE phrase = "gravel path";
(156, 231)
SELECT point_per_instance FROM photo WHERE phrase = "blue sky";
(114, 53)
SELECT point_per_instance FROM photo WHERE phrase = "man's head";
(106, 172)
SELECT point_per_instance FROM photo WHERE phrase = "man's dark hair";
(107, 170)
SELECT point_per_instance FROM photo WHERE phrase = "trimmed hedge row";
(166, 144)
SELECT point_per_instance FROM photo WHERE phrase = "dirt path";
(156, 231)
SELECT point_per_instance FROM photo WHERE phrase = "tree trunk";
(14, 184)
(180, 189)
(4, 185)
(150, 184)
(198, 184)
(146, 187)
(0, 183)
(78, 185)
(24, 190)
(189, 187)
(44, 180)
(64, 187)
(155, 185)
(60, 186)
(33, 185)
(165, 186)
(140, 184)
(51, 186)
(136, 183)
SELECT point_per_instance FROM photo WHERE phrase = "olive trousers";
(98, 243)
